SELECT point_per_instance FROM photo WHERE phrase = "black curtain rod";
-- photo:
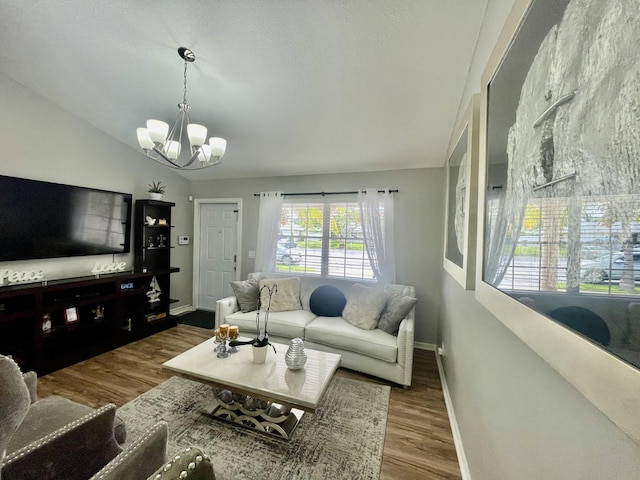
(325, 193)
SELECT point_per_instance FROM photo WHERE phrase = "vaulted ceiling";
(295, 86)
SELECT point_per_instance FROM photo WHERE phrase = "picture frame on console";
(459, 255)
(548, 183)
(71, 315)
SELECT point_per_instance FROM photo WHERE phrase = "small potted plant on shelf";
(156, 190)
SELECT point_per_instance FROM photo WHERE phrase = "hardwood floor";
(418, 442)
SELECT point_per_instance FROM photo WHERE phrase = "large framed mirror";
(461, 207)
(559, 203)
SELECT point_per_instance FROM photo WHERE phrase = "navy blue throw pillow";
(583, 321)
(327, 301)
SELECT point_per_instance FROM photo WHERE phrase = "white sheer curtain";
(376, 212)
(268, 228)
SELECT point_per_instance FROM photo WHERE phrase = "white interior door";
(218, 239)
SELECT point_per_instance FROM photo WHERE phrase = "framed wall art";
(461, 207)
(559, 203)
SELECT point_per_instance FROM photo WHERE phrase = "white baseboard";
(182, 310)
(457, 438)
(425, 346)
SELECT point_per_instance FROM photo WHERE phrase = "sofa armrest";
(141, 459)
(225, 306)
(405, 343)
(75, 451)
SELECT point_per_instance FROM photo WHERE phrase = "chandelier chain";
(184, 92)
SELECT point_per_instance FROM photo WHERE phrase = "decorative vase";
(156, 196)
(296, 357)
(259, 353)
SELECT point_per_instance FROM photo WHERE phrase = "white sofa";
(373, 352)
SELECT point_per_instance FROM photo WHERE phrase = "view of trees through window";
(322, 239)
(596, 250)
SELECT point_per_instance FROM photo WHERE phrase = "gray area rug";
(343, 440)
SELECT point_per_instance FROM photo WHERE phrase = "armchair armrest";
(31, 381)
(140, 459)
(188, 464)
(225, 306)
(75, 451)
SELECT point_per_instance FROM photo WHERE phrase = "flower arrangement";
(264, 341)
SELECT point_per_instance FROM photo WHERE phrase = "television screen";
(50, 220)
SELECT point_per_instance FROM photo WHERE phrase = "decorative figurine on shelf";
(98, 313)
(162, 221)
(161, 240)
(150, 242)
(150, 221)
(46, 323)
(154, 293)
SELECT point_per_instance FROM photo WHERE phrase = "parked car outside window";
(609, 267)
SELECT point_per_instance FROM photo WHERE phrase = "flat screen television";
(50, 220)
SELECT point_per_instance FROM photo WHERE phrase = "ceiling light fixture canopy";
(164, 145)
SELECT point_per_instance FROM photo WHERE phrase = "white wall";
(419, 208)
(518, 418)
(42, 141)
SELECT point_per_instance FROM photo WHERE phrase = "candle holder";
(223, 335)
(233, 335)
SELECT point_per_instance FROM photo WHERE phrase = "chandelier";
(164, 145)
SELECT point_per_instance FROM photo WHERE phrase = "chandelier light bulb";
(158, 130)
(197, 134)
(172, 149)
(204, 155)
(218, 146)
(144, 139)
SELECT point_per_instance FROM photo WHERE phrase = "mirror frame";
(609, 383)
(469, 125)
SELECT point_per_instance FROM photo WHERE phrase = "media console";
(48, 327)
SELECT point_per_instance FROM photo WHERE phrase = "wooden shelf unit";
(110, 312)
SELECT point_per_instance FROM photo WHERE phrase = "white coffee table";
(267, 397)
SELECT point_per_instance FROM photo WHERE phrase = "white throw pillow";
(286, 296)
(364, 306)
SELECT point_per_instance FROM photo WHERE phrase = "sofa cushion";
(281, 324)
(247, 293)
(336, 332)
(286, 296)
(327, 301)
(364, 306)
(396, 308)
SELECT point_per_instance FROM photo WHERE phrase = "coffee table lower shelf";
(265, 417)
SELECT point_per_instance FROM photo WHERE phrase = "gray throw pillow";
(247, 293)
(397, 307)
(364, 306)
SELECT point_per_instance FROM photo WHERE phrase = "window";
(323, 239)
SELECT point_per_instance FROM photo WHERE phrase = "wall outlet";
(252, 254)
(183, 240)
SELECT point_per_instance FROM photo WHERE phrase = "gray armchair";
(55, 438)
